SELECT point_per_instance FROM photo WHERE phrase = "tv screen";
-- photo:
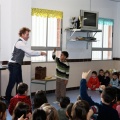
(89, 19)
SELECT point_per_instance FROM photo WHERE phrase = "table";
(2, 68)
(42, 82)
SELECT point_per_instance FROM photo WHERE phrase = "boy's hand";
(85, 74)
(102, 87)
(54, 50)
(66, 82)
(89, 115)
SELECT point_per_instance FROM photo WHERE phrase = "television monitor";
(88, 20)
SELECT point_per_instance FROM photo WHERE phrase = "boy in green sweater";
(62, 74)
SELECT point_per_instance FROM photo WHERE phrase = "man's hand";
(43, 53)
(54, 50)
(85, 74)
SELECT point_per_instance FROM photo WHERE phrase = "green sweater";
(62, 68)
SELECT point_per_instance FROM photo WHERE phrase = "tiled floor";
(73, 96)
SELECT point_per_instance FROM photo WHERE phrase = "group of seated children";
(104, 78)
(20, 107)
(108, 108)
(84, 108)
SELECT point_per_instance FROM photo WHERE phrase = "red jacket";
(93, 82)
(17, 98)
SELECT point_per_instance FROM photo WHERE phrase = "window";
(46, 32)
(102, 49)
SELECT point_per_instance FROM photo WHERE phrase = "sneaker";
(56, 102)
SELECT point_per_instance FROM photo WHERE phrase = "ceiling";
(115, 0)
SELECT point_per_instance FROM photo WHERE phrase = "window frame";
(104, 49)
(46, 49)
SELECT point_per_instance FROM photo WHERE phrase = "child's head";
(108, 95)
(94, 74)
(101, 72)
(3, 108)
(80, 110)
(64, 101)
(118, 96)
(39, 99)
(115, 75)
(119, 75)
(68, 110)
(21, 109)
(118, 99)
(107, 73)
(50, 111)
(64, 55)
(22, 88)
(39, 114)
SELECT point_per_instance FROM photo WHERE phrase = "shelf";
(90, 36)
(87, 40)
(82, 30)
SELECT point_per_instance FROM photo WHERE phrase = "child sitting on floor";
(116, 104)
(69, 110)
(106, 81)
(64, 101)
(22, 90)
(50, 111)
(103, 110)
(80, 110)
(39, 99)
(101, 76)
(114, 82)
(21, 108)
(93, 82)
(3, 113)
(39, 114)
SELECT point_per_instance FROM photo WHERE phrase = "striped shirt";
(62, 68)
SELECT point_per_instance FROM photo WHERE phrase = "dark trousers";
(15, 76)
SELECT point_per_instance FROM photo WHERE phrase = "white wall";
(17, 13)
(6, 31)
(106, 9)
(116, 45)
(76, 69)
(70, 8)
(14, 15)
